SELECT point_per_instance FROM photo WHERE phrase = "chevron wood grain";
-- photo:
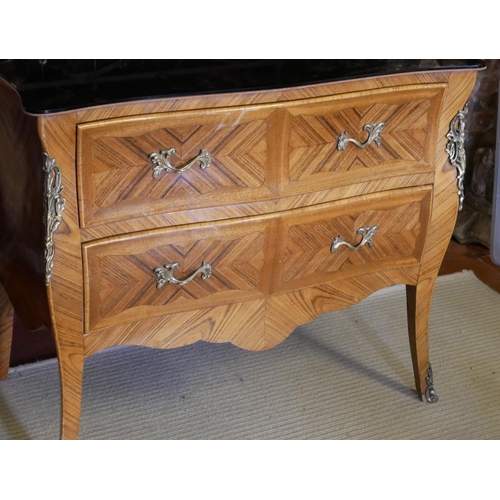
(306, 257)
(116, 173)
(121, 282)
(409, 121)
(407, 139)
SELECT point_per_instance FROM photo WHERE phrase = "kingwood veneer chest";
(232, 217)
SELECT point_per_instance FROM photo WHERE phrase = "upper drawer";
(117, 179)
(361, 137)
(252, 153)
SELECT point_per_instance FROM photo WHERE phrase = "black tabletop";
(48, 86)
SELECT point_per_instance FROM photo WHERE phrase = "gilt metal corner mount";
(456, 151)
(54, 206)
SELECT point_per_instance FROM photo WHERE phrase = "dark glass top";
(48, 86)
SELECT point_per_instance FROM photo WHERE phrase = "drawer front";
(133, 278)
(252, 154)
(119, 180)
(359, 138)
(377, 232)
(194, 268)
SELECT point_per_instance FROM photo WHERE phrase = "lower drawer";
(166, 271)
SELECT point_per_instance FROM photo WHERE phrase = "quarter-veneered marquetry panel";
(407, 142)
(306, 257)
(120, 173)
(116, 175)
(314, 138)
(128, 281)
(122, 282)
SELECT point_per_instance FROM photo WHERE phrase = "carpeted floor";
(346, 375)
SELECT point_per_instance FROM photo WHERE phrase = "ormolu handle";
(373, 129)
(161, 161)
(367, 232)
(166, 274)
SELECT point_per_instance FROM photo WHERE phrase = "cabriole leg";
(418, 300)
(6, 322)
(71, 373)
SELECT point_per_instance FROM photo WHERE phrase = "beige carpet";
(347, 375)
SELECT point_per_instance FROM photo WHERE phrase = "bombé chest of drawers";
(229, 216)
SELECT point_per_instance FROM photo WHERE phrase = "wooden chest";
(226, 217)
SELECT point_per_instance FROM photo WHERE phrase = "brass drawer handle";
(373, 129)
(367, 232)
(166, 274)
(161, 161)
